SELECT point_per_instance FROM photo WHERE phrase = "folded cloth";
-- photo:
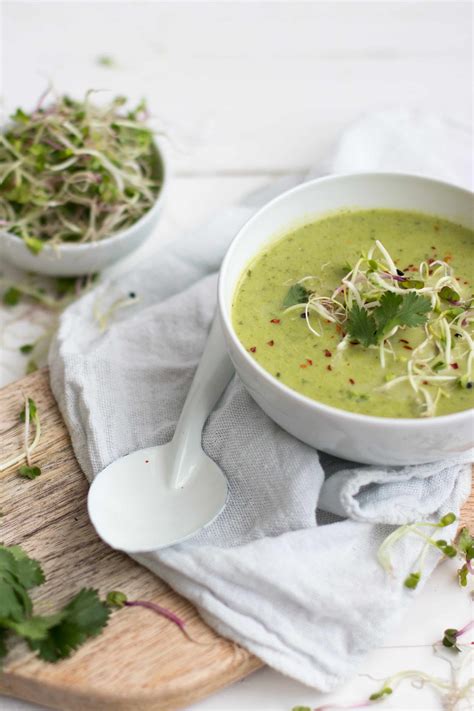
(289, 569)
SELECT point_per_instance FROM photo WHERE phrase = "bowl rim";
(75, 248)
(285, 390)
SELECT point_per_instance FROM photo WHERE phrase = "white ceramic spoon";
(159, 496)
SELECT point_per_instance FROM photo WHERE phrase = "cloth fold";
(289, 569)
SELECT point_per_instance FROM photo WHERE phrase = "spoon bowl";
(134, 506)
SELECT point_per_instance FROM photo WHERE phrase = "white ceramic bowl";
(72, 259)
(360, 438)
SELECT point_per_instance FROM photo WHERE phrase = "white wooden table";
(248, 91)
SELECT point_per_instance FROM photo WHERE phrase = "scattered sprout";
(118, 599)
(28, 415)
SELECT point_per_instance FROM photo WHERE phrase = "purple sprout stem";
(159, 611)
(465, 629)
(395, 277)
(171, 616)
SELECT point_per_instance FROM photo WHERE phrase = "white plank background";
(248, 91)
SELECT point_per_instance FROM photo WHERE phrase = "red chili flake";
(352, 381)
(309, 361)
(275, 320)
(425, 382)
(270, 343)
(327, 353)
(329, 367)
(448, 257)
(303, 365)
(408, 348)
(404, 340)
(466, 282)
(454, 366)
(431, 260)
(430, 272)
(253, 349)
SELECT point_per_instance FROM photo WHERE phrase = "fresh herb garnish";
(54, 636)
(393, 310)
(296, 294)
(375, 299)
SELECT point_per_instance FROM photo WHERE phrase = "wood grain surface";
(140, 662)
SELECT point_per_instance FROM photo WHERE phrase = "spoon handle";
(214, 372)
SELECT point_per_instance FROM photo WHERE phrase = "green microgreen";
(11, 296)
(449, 294)
(26, 348)
(29, 472)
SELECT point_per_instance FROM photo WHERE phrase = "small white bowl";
(72, 259)
(360, 438)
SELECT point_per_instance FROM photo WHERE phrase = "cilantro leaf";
(52, 636)
(296, 294)
(27, 570)
(414, 309)
(362, 326)
(84, 617)
(393, 310)
(34, 629)
(387, 309)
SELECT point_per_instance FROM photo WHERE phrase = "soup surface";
(369, 311)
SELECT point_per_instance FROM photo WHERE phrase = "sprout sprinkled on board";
(376, 301)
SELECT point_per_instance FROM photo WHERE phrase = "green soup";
(335, 267)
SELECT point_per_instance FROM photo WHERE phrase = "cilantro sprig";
(296, 294)
(371, 327)
(55, 636)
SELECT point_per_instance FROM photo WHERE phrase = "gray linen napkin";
(289, 569)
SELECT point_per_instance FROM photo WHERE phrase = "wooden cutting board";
(140, 662)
